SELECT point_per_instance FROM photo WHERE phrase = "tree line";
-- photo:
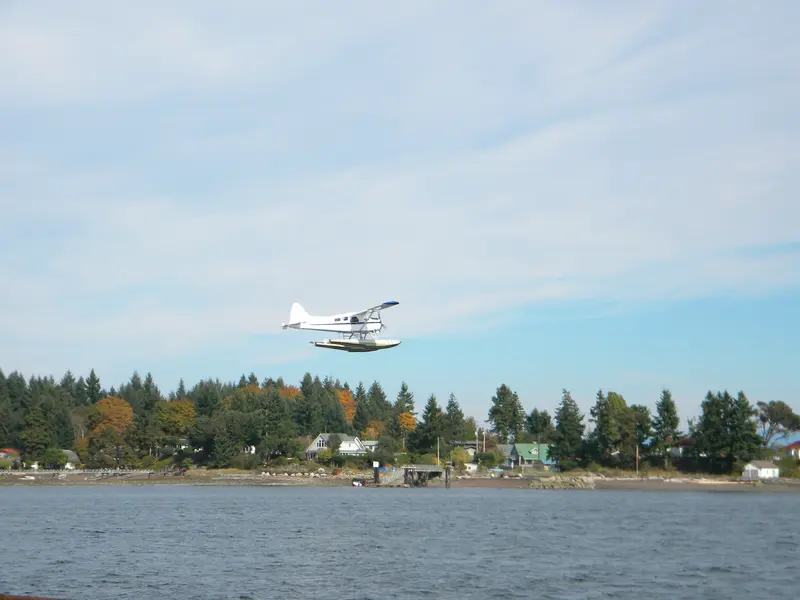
(218, 424)
(215, 423)
(729, 430)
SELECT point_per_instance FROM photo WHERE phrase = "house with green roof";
(530, 454)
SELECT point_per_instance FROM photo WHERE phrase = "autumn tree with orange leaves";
(348, 403)
(289, 392)
(111, 413)
(374, 430)
(407, 422)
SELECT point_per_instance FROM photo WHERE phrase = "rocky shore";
(561, 483)
(327, 477)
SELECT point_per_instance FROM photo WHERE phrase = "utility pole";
(437, 450)
(637, 458)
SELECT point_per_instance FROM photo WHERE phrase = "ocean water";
(171, 541)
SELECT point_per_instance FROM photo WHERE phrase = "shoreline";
(575, 482)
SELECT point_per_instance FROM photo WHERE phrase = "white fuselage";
(343, 323)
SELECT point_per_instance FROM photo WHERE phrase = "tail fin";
(297, 315)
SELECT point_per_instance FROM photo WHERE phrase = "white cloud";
(176, 177)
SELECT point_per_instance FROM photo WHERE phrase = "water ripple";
(358, 544)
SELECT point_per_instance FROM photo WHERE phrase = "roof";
(9, 451)
(342, 436)
(505, 448)
(532, 451)
(71, 456)
(762, 464)
(793, 445)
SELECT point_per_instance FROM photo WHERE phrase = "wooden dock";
(407, 476)
(419, 475)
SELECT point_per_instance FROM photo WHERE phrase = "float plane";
(358, 329)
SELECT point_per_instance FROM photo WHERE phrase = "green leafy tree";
(776, 418)
(54, 458)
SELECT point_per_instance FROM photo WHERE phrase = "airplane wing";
(369, 312)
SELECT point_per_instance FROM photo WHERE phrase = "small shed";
(760, 469)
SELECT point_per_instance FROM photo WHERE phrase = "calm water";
(357, 543)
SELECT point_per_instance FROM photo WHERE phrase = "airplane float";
(358, 329)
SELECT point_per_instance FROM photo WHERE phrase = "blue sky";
(574, 195)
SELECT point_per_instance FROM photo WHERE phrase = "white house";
(760, 469)
(370, 445)
(350, 446)
(73, 462)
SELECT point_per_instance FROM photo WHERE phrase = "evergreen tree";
(67, 385)
(644, 424)
(424, 437)
(665, 424)
(333, 416)
(309, 407)
(506, 414)
(540, 426)
(453, 420)
(226, 444)
(7, 438)
(80, 393)
(402, 414)
(207, 396)
(379, 407)
(181, 393)
(711, 431)
(151, 394)
(252, 380)
(280, 429)
(363, 412)
(36, 437)
(93, 395)
(743, 440)
(63, 432)
(405, 400)
(18, 393)
(568, 436)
